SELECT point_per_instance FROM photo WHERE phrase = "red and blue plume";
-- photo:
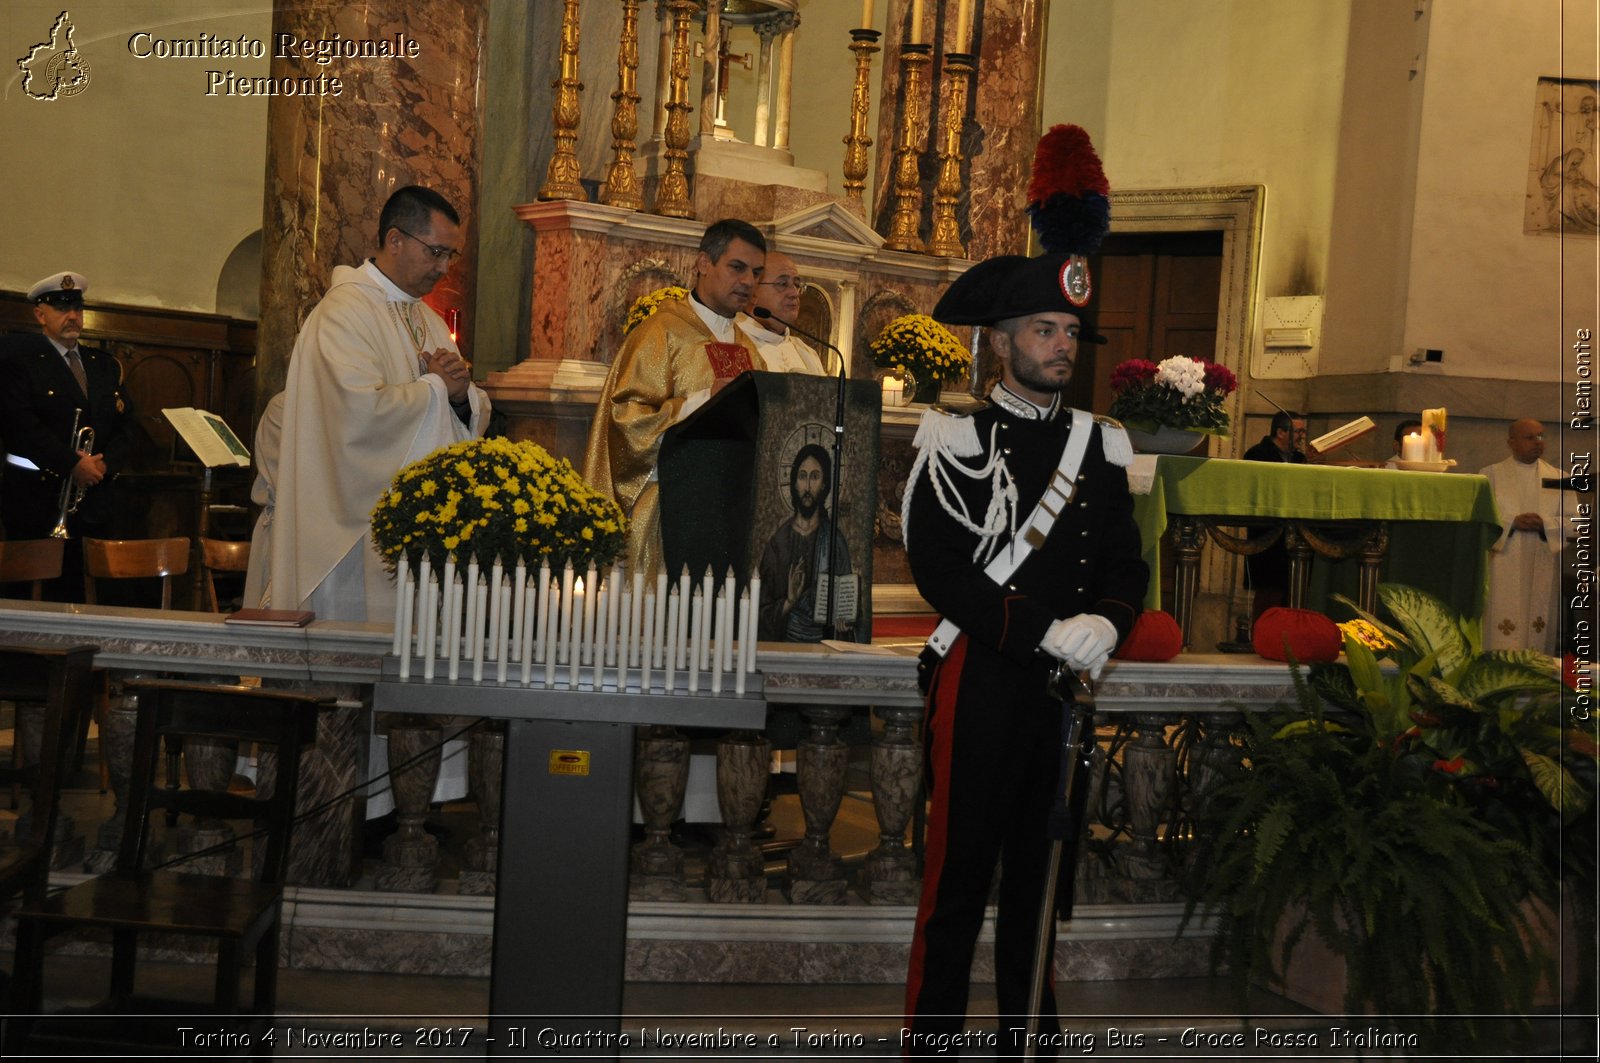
(1067, 196)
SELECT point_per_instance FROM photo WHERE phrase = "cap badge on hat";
(66, 282)
(1075, 282)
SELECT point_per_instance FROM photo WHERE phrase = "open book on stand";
(1344, 435)
(209, 436)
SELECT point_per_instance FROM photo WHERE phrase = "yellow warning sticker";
(569, 762)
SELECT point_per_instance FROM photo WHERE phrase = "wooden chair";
(242, 915)
(222, 555)
(58, 677)
(31, 561)
(134, 559)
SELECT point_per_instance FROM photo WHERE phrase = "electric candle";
(519, 595)
(719, 625)
(575, 635)
(480, 603)
(564, 635)
(452, 626)
(447, 585)
(658, 647)
(590, 603)
(685, 589)
(696, 639)
(755, 621)
(496, 573)
(503, 600)
(745, 648)
(547, 625)
(403, 624)
(647, 638)
(672, 641)
(635, 631)
(430, 616)
(544, 604)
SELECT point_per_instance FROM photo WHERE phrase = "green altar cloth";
(1441, 524)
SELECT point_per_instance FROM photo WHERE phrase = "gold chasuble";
(669, 360)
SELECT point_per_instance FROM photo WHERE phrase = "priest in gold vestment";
(668, 366)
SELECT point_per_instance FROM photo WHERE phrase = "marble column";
(1002, 124)
(332, 161)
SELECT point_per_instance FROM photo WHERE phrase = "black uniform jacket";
(1091, 562)
(38, 397)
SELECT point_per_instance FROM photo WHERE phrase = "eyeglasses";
(784, 284)
(440, 254)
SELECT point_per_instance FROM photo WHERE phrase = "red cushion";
(1309, 635)
(1155, 637)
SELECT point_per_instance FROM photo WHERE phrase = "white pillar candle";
(1411, 447)
(564, 635)
(755, 621)
(633, 621)
(647, 638)
(658, 646)
(403, 624)
(496, 619)
(746, 647)
(672, 642)
(519, 594)
(697, 637)
(452, 626)
(479, 607)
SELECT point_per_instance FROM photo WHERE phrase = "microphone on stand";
(764, 314)
(831, 627)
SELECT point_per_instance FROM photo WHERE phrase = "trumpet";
(72, 492)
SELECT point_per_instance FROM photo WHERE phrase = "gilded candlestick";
(864, 43)
(907, 218)
(561, 180)
(622, 183)
(672, 190)
(945, 240)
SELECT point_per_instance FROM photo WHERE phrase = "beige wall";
(1488, 295)
(141, 181)
(1225, 92)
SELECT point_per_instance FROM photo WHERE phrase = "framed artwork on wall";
(1564, 163)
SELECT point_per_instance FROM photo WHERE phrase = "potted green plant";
(1357, 821)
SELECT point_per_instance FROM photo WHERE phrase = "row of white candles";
(532, 628)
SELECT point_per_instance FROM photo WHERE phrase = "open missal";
(1344, 435)
(209, 436)
(271, 617)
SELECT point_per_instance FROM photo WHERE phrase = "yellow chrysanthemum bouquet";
(922, 347)
(649, 303)
(496, 500)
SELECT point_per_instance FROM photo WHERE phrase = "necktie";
(75, 363)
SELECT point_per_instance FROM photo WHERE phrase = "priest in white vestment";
(779, 292)
(1524, 604)
(375, 383)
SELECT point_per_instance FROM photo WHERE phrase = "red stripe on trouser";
(941, 711)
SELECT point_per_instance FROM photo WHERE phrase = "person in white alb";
(779, 292)
(1524, 585)
(375, 383)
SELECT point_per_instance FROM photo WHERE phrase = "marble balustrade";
(1163, 727)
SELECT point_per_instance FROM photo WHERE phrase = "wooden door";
(1156, 296)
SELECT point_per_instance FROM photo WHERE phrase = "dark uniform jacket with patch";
(38, 395)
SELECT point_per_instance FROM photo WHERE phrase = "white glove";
(1082, 641)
